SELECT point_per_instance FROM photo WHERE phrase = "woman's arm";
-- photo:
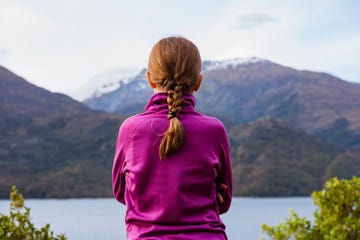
(118, 176)
(224, 179)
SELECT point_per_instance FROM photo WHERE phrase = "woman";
(172, 165)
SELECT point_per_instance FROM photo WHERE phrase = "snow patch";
(106, 82)
(141, 86)
(111, 86)
(229, 63)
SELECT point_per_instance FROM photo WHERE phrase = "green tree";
(337, 216)
(17, 225)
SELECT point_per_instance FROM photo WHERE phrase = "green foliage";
(17, 224)
(337, 215)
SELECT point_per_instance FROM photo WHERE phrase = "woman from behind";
(172, 166)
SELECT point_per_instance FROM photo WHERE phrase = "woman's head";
(175, 61)
(174, 66)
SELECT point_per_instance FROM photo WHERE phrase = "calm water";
(102, 219)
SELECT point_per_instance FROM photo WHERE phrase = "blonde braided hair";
(174, 65)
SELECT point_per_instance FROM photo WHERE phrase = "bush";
(17, 224)
(337, 215)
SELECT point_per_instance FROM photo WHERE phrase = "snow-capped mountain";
(112, 80)
(105, 82)
(244, 90)
(60, 142)
(111, 86)
(229, 63)
(126, 95)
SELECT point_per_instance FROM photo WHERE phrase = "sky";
(62, 45)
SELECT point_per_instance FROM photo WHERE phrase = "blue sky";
(59, 45)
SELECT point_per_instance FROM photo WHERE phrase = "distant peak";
(230, 63)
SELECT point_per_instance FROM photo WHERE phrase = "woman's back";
(178, 194)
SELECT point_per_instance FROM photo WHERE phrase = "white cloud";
(296, 37)
(3, 55)
(254, 20)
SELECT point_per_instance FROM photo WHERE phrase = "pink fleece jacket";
(173, 198)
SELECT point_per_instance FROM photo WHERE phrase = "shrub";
(17, 224)
(337, 215)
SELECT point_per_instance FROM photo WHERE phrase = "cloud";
(254, 20)
(3, 55)
(60, 47)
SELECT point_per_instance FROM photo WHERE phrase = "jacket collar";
(158, 102)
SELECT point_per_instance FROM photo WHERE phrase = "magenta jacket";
(173, 198)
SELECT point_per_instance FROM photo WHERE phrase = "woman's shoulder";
(210, 122)
(132, 122)
(210, 119)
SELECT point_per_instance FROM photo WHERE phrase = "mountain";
(312, 101)
(344, 165)
(52, 145)
(22, 99)
(245, 90)
(103, 82)
(129, 98)
(272, 158)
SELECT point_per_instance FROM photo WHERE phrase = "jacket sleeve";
(118, 175)
(225, 171)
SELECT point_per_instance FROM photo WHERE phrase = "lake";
(103, 219)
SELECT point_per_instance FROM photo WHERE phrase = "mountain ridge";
(255, 88)
(53, 146)
(51, 143)
(267, 151)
